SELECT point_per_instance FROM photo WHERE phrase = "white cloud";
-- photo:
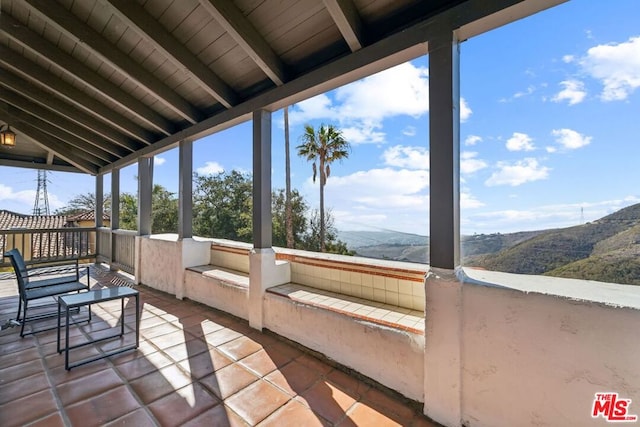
(361, 107)
(210, 168)
(542, 217)
(388, 198)
(469, 163)
(520, 142)
(527, 92)
(364, 134)
(518, 173)
(24, 199)
(465, 110)
(159, 161)
(24, 196)
(472, 140)
(617, 66)
(573, 92)
(570, 139)
(407, 157)
(567, 59)
(468, 201)
(551, 149)
(400, 90)
(409, 131)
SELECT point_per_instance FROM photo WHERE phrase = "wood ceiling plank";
(62, 150)
(135, 16)
(94, 154)
(245, 34)
(61, 122)
(347, 19)
(66, 22)
(61, 60)
(41, 78)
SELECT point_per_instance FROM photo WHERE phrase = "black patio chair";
(37, 283)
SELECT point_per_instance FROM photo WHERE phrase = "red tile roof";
(11, 220)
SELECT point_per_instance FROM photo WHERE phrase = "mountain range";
(607, 249)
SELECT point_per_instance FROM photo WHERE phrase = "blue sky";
(550, 133)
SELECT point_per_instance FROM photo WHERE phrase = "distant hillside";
(414, 248)
(358, 238)
(606, 249)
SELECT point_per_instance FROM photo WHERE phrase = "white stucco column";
(443, 340)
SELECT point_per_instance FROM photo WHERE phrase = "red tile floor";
(195, 367)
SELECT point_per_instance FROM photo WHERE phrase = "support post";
(262, 257)
(444, 152)
(145, 189)
(115, 214)
(185, 190)
(99, 207)
(443, 329)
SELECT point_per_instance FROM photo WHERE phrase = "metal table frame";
(76, 301)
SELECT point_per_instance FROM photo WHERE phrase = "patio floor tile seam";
(52, 386)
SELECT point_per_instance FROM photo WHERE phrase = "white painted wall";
(392, 357)
(500, 356)
(162, 259)
(531, 359)
(212, 292)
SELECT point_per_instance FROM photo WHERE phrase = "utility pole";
(41, 204)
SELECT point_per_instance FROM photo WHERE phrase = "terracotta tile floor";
(195, 366)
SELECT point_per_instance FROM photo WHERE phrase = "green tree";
(298, 207)
(324, 146)
(222, 206)
(128, 211)
(83, 203)
(164, 211)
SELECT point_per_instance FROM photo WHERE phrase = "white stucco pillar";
(443, 340)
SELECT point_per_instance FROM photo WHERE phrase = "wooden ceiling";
(89, 85)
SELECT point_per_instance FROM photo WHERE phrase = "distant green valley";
(606, 250)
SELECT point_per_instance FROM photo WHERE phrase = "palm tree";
(324, 146)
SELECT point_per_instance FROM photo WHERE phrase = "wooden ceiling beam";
(68, 111)
(244, 33)
(61, 123)
(47, 142)
(56, 15)
(49, 52)
(347, 19)
(91, 153)
(38, 76)
(135, 16)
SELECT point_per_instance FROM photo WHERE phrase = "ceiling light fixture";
(8, 137)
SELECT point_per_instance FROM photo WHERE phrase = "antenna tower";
(582, 215)
(41, 204)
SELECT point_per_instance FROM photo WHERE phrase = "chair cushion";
(51, 290)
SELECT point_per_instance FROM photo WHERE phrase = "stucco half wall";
(527, 357)
(390, 356)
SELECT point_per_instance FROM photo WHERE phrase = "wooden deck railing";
(49, 244)
(118, 248)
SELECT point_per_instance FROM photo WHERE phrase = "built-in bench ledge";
(225, 276)
(383, 314)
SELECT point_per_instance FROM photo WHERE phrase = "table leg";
(58, 335)
(66, 340)
(137, 321)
